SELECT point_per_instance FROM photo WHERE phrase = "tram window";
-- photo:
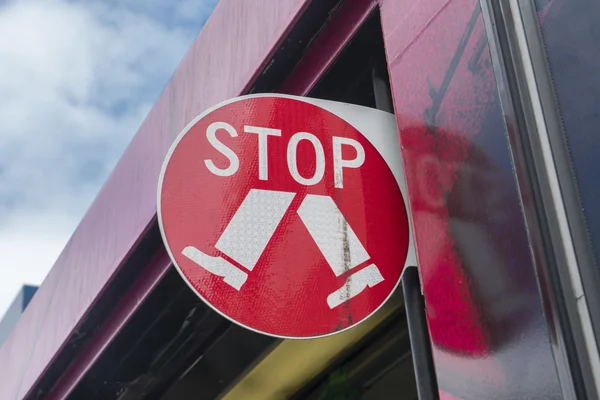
(349, 79)
(378, 370)
(571, 32)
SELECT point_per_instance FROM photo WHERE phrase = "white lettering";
(263, 154)
(292, 160)
(339, 162)
(234, 162)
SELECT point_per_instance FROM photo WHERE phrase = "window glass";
(380, 370)
(571, 34)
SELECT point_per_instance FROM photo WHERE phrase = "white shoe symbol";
(232, 275)
(340, 247)
(355, 284)
(246, 236)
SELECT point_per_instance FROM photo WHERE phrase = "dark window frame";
(549, 251)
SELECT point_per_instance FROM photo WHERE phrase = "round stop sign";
(283, 216)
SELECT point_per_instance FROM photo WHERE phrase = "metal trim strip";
(531, 116)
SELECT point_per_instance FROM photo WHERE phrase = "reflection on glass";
(380, 370)
(483, 305)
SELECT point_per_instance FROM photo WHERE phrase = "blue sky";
(77, 77)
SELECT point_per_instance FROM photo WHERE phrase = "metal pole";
(420, 344)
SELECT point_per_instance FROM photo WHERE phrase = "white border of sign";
(378, 127)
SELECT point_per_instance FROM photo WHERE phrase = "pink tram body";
(497, 194)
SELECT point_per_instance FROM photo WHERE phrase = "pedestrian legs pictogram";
(253, 224)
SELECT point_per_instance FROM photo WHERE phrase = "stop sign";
(286, 214)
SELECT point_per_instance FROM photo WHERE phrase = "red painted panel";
(483, 307)
(227, 54)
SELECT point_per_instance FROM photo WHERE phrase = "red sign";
(282, 216)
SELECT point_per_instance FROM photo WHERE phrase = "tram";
(497, 110)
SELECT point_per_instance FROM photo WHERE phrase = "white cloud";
(76, 80)
(28, 248)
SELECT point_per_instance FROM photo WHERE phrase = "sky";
(77, 77)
